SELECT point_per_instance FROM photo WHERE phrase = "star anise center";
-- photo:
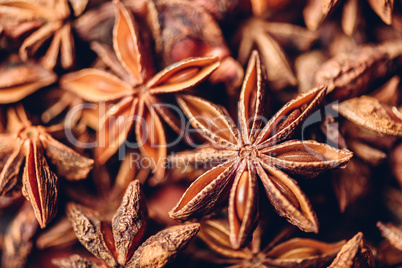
(248, 151)
(28, 132)
(256, 261)
(142, 90)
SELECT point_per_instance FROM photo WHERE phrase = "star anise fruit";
(355, 253)
(185, 29)
(317, 10)
(270, 38)
(18, 238)
(117, 242)
(25, 152)
(350, 74)
(370, 129)
(248, 154)
(280, 252)
(136, 92)
(43, 20)
(20, 79)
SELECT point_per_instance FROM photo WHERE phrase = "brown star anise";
(18, 238)
(372, 127)
(183, 29)
(269, 38)
(317, 10)
(279, 252)
(42, 20)
(136, 91)
(118, 241)
(250, 153)
(355, 253)
(350, 74)
(391, 232)
(19, 79)
(25, 150)
(268, 248)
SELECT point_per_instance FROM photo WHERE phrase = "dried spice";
(19, 79)
(294, 252)
(251, 153)
(42, 21)
(137, 92)
(268, 37)
(351, 183)
(25, 161)
(18, 238)
(120, 81)
(118, 241)
(348, 75)
(355, 253)
(182, 29)
(316, 11)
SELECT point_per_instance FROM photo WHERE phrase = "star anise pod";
(20, 79)
(220, 9)
(43, 20)
(355, 253)
(18, 238)
(349, 74)
(391, 232)
(280, 252)
(373, 122)
(27, 150)
(118, 241)
(268, 38)
(370, 113)
(390, 250)
(317, 10)
(184, 29)
(136, 92)
(248, 154)
(259, 7)
(351, 183)
(59, 235)
(370, 131)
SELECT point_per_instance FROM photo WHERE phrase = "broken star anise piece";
(250, 154)
(118, 241)
(136, 92)
(27, 156)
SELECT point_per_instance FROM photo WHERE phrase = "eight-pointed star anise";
(251, 153)
(24, 152)
(42, 20)
(136, 91)
(117, 242)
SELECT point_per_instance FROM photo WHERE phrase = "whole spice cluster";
(219, 133)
